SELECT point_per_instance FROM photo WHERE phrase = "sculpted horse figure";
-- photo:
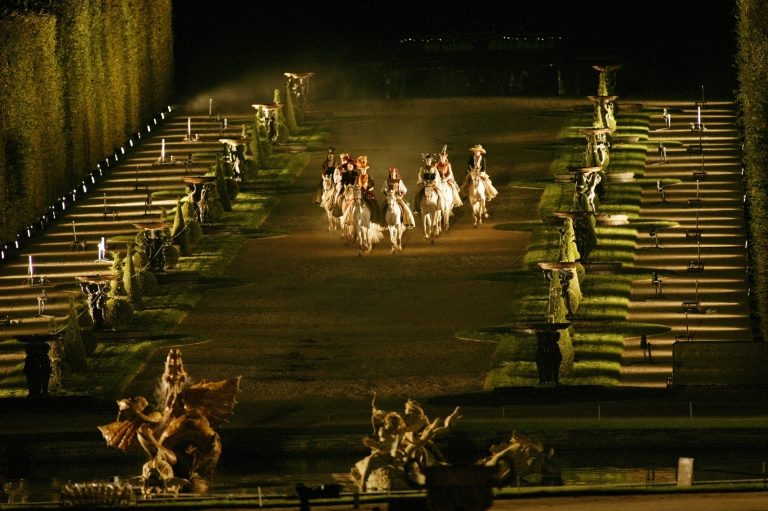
(327, 203)
(394, 220)
(356, 220)
(477, 197)
(431, 211)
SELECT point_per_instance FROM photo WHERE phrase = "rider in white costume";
(477, 160)
(428, 174)
(395, 183)
(446, 174)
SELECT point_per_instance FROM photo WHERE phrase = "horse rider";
(329, 166)
(428, 175)
(347, 175)
(396, 185)
(477, 160)
(365, 182)
(446, 174)
(339, 171)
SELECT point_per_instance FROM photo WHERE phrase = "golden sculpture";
(402, 446)
(179, 438)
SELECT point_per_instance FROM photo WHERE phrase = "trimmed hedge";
(752, 99)
(76, 77)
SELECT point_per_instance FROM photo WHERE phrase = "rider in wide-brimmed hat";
(477, 161)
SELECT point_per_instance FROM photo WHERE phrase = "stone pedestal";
(548, 355)
(37, 364)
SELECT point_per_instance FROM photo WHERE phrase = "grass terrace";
(599, 326)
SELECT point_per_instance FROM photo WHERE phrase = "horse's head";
(352, 193)
(390, 196)
(327, 182)
(474, 174)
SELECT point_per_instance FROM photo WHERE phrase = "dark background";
(667, 48)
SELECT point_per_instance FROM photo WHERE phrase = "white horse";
(476, 194)
(327, 203)
(444, 187)
(431, 212)
(356, 220)
(394, 220)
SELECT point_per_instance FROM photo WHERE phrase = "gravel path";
(315, 328)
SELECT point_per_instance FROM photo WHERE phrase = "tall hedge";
(752, 97)
(31, 119)
(77, 78)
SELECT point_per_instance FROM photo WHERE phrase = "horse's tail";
(375, 233)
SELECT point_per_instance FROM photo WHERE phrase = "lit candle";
(698, 116)
(74, 232)
(210, 107)
(189, 128)
(31, 267)
(162, 150)
(225, 123)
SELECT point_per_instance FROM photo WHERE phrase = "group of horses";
(435, 206)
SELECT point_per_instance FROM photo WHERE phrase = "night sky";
(675, 45)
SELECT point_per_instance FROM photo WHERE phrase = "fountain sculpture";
(178, 436)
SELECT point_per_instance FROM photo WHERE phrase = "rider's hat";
(477, 147)
(362, 161)
(427, 156)
(444, 150)
(344, 156)
(331, 149)
(393, 172)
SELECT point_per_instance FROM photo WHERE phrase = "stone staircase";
(701, 262)
(124, 189)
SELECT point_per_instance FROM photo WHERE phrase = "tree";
(130, 281)
(290, 114)
(74, 350)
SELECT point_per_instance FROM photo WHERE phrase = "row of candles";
(52, 213)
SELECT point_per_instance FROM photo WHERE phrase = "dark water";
(261, 467)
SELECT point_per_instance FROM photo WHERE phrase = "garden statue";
(596, 152)
(298, 84)
(603, 116)
(203, 196)
(178, 435)
(586, 181)
(208, 195)
(521, 459)
(96, 293)
(402, 446)
(153, 240)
